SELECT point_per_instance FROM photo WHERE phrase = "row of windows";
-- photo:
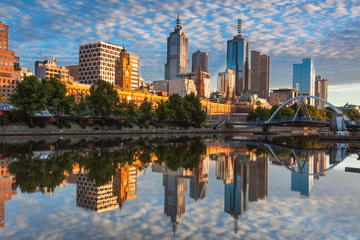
(8, 81)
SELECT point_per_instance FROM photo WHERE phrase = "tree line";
(32, 97)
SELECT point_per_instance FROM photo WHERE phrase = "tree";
(102, 100)
(197, 115)
(58, 103)
(29, 97)
(163, 113)
(176, 106)
(2, 98)
(145, 111)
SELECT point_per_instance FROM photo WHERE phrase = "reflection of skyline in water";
(243, 172)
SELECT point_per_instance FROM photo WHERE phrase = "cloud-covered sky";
(286, 30)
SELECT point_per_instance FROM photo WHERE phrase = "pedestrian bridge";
(339, 124)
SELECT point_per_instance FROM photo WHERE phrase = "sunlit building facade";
(49, 68)
(127, 71)
(9, 65)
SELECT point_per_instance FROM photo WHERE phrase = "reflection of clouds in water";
(322, 216)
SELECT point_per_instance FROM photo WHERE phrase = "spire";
(239, 26)
(178, 22)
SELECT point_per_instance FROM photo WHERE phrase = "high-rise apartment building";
(199, 59)
(97, 61)
(238, 59)
(260, 69)
(6, 189)
(49, 69)
(321, 90)
(9, 65)
(304, 77)
(127, 71)
(177, 53)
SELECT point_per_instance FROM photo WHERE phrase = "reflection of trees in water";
(37, 166)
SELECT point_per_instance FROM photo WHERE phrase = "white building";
(97, 61)
(182, 87)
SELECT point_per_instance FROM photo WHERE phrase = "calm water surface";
(179, 188)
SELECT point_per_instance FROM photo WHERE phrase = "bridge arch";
(301, 103)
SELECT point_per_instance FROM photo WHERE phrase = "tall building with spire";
(238, 59)
(177, 52)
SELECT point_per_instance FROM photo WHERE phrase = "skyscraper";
(304, 77)
(199, 58)
(9, 65)
(238, 59)
(321, 90)
(177, 53)
(260, 69)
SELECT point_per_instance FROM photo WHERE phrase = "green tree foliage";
(288, 112)
(102, 100)
(146, 112)
(196, 113)
(58, 103)
(29, 97)
(352, 114)
(163, 112)
(2, 98)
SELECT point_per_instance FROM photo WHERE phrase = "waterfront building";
(127, 74)
(279, 96)
(9, 65)
(97, 61)
(177, 53)
(321, 90)
(199, 180)
(304, 77)
(73, 73)
(238, 59)
(226, 83)
(260, 69)
(49, 69)
(199, 59)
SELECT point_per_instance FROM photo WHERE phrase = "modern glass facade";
(238, 59)
(304, 77)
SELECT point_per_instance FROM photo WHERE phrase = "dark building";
(260, 72)
(200, 58)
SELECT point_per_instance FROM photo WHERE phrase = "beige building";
(97, 61)
(25, 72)
(194, 76)
(279, 96)
(321, 91)
(182, 87)
(226, 82)
(49, 69)
(161, 86)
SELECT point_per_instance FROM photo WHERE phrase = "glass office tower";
(238, 59)
(304, 77)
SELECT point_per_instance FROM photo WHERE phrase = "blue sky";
(287, 31)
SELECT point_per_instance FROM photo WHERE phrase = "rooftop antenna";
(239, 26)
(178, 22)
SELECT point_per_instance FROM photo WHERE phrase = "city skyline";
(326, 32)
